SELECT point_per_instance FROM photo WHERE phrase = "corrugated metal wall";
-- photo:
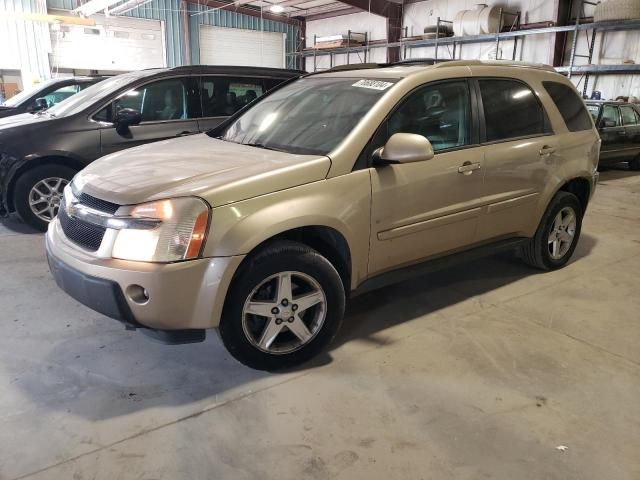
(225, 18)
(169, 12)
(24, 43)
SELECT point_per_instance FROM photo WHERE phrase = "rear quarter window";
(570, 105)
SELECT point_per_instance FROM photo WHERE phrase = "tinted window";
(628, 115)
(594, 110)
(223, 96)
(570, 106)
(438, 112)
(611, 116)
(170, 99)
(511, 110)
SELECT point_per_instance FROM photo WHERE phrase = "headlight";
(180, 234)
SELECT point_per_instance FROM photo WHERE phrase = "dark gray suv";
(40, 153)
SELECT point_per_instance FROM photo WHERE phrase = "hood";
(24, 119)
(218, 171)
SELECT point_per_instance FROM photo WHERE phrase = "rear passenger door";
(222, 96)
(520, 149)
(631, 122)
(169, 109)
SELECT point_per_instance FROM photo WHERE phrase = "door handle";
(621, 132)
(546, 150)
(184, 134)
(467, 168)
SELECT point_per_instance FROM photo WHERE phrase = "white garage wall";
(235, 46)
(530, 49)
(610, 48)
(24, 44)
(114, 44)
(374, 25)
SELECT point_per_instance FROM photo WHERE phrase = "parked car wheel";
(557, 235)
(635, 164)
(283, 308)
(38, 193)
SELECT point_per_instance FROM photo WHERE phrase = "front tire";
(285, 305)
(557, 235)
(38, 192)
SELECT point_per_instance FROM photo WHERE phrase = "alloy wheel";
(284, 312)
(562, 233)
(45, 197)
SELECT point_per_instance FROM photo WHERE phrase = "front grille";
(98, 204)
(85, 234)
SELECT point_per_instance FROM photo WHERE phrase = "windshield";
(92, 94)
(309, 116)
(593, 110)
(16, 100)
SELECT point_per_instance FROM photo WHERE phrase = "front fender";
(342, 203)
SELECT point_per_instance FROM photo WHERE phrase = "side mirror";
(608, 123)
(39, 104)
(125, 118)
(404, 148)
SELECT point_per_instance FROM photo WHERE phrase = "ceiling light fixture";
(276, 8)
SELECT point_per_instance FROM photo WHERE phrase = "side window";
(223, 96)
(628, 115)
(163, 100)
(61, 94)
(610, 116)
(511, 110)
(570, 106)
(439, 112)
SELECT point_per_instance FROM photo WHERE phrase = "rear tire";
(296, 325)
(43, 185)
(557, 235)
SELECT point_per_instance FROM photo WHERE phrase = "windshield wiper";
(261, 145)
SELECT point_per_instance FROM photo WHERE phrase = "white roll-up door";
(114, 43)
(234, 46)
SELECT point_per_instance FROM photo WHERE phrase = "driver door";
(169, 107)
(427, 208)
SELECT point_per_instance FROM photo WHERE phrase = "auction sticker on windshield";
(373, 84)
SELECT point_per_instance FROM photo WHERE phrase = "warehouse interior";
(469, 366)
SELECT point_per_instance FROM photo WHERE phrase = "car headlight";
(179, 235)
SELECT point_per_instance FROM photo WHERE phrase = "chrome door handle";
(467, 168)
(622, 132)
(546, 150)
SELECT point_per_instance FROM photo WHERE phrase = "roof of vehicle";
(405, 68)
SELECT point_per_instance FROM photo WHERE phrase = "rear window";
(570, 105)
(628, 115)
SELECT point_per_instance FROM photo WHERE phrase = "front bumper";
(180, 296)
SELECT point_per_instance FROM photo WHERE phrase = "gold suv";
(331, 185)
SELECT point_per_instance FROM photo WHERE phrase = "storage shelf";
(491, 37)
(601, 69)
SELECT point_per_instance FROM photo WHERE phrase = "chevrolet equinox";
(334, 184)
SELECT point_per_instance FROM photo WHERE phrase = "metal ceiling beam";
(217, 4)
(94, 6)
(384, 8)
(331, 14)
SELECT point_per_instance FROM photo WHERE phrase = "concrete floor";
(481, 371)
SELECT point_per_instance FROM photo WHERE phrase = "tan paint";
(390, 216)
